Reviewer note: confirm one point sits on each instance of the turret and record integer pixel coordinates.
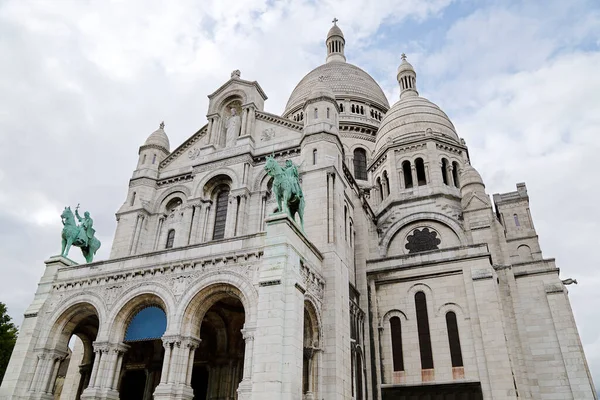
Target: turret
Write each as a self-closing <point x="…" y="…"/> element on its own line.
<point x="155" y="149"/>
<point x="321" y="110"/>
<point x="335" y="44"/>
<point x="407" y="78"/>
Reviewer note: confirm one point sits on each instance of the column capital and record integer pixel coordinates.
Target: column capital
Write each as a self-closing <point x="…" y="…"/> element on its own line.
<point x="248" y="333"/>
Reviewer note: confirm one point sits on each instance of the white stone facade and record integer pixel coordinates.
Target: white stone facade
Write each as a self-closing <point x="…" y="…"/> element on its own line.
<point x="406" y="282"/>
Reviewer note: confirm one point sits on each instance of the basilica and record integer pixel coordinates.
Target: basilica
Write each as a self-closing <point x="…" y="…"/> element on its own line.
<point x="404" y="280"/>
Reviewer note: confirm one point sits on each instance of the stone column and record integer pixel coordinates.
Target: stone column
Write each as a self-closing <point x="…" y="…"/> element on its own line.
<point x="209" y="129"/>
<point x="241" y="217"/>
<point x="46" y="372"/>
<point x="176" y="376"/>
<point x="413" y="171"/>
<point x="197" y="215"/>
<point x="231" y="216"/>
<point x="251" y="120"/>
<point x="244" y="389"/>
<point x="95" y="368"/>
<point x="115" y="361"/>
<point x="161" y="221"/>
<point x="203" y="228"/>
<point x="244" y="118"/>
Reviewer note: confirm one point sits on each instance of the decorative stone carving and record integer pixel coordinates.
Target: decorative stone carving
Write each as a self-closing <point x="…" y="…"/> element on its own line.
<point x="422" y="240"/>
<point x="267" y="134"/>
<point x="194" y="153"/>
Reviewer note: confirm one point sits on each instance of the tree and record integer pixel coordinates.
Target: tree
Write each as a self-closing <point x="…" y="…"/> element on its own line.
<point x="8" y="338"/>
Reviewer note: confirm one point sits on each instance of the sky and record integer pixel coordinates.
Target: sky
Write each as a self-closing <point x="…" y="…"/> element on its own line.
<point x="83" y="83"/>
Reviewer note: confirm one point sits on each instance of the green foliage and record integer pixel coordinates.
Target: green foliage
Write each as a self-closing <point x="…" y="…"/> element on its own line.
<point x="8" y="338"/>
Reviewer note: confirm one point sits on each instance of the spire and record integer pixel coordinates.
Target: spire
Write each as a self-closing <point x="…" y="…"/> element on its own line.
<point x="407" y="79"/>
<point x="335" y="43"/>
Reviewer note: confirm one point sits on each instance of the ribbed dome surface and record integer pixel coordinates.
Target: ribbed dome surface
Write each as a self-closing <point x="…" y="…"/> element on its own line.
<point x="345" y="80"/>
<point x="411" y="117"/>
<point x="159" y="138"/>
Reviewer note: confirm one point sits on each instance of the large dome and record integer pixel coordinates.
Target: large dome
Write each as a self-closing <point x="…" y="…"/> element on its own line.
<point x="413" y="117"/>
<point x="345" y="80"/>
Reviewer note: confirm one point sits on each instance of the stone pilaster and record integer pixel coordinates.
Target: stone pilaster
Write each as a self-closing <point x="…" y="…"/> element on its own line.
<point x="244" y="389"/>
<point x="178" y="363"/>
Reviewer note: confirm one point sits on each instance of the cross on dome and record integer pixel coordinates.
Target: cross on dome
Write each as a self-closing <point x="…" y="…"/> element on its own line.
<point x="403" y="56"/>
<point x="162" y="125"/>
<point x="335" y="20"/>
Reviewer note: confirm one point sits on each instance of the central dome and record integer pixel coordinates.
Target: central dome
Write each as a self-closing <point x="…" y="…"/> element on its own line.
<point x="345" y="80"/>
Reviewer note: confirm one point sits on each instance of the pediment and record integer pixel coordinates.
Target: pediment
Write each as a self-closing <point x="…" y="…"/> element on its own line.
<point x="476" y="202"/>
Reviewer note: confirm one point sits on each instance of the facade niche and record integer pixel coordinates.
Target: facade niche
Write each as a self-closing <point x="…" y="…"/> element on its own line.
<point x="423" y="329"/>
<point x="406" y="171"/>
<point x="396" y="332"/>
<point x="170" y="239"/>
<point x="221" y="213"/>
<point x="420" y="167"/>
<point x="360" y="164"/>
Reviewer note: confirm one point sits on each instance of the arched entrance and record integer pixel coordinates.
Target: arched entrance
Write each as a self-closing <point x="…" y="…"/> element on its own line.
<point x="142" y="363"/>
<point x="217" y="316"/>
<point x="219" y="359"/>
<point x="64" y="366"/>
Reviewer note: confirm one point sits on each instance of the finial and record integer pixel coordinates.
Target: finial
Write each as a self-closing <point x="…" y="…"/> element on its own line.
<point x="236" y="74"/>
<point x="335" y="20"/>
<point x="403" y="57"/>
<point x="162" y="125"/>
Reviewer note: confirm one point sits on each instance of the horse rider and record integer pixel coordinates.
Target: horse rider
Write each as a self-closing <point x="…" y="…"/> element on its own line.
<point x="292" y="172"/>
<point x="86" y="224"/>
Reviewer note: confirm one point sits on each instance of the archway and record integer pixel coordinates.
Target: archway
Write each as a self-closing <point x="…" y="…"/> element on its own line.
<point x="71" y="361"/>
<point x="219" y="360"/>
<point x="310" y="359"/>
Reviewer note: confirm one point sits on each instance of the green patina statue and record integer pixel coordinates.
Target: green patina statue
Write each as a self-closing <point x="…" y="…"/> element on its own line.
<point x="81" y="235"/>
<point x="286" y="186"/>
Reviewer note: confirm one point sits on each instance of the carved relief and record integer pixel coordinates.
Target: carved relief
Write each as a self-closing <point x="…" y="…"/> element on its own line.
<point x="194" y="153"/>
<point x="267" y="134"/>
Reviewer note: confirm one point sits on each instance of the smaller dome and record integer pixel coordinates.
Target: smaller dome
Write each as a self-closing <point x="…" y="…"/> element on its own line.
<point x="414" y="117"/>
<point x="335" y="31"/>
<point x="470" y="176"/>
<point x="405" y="66"/>
<point x="159" y="138"/>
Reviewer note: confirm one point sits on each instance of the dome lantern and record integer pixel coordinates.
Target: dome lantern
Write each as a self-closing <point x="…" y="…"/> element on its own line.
<point x="407" y="79"/>
<point x="335" y="44"/>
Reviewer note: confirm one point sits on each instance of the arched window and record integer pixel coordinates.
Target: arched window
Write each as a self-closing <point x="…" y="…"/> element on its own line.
<point x="327" y="112"/>
<point x="221" y="213"/>
<point x="316" y="113"/>
<point x="148" y="324"/>
<point x="445" y="171"/>
<point x="352" y="108"/>
<point x="132" y="199"/>
<point x="423" y="329"/>
<point x="371" y="113"/>
<point x="396" y="332"/>
<point x="301" y="116"/>
<point x="420" y="166"/>
<point x="170" y="239"/>
<point x="351" y="230"/>
<point x="153" y="159"/>
<point x="144" y="159"/>
<point x="455" y="173"/>
<point x="408" y="183"/>
<point x="360" y="164"/>
<point x="386" y="182"/>
<point x="454" y="339"/>
<point x="341" y="107"/>
<point x="380" y="188"/>
<point x="362" y="110"/>
<point x="315" y="157"/>
<point x="516" y="218"/>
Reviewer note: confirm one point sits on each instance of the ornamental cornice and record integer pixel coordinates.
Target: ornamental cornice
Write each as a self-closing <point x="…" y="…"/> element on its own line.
<point x="153" y="146"/>
<point x="177" y="274"/>
<point x="175" y="179"/>
<point x="184" y="146"/>
<point x="262" y="115"/>
<point x="322" y="98"/>
<point x="143" y="181"/>
<point x="212" y="165"/>
<point x="449" y="148"/>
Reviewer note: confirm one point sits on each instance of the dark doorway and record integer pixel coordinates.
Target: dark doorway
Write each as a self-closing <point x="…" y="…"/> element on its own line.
<point x="200" y="382"/>
<point x="453" y="391"/>
<point x="134" y="385"/>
